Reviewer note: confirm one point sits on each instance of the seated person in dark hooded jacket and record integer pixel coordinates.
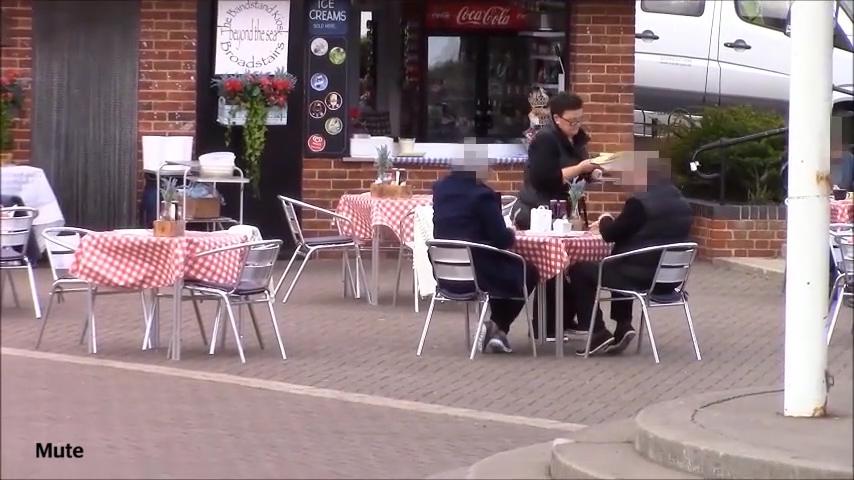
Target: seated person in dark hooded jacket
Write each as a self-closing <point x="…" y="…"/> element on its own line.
<point x="465" y="208"/>
<point x="657" y="214"/>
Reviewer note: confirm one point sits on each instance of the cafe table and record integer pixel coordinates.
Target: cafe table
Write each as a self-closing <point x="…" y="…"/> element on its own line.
<point x="552" y="254"/>
<point x="842" y="211"/>
<point x="137" y="260"/>
<point x="368" y="215"/>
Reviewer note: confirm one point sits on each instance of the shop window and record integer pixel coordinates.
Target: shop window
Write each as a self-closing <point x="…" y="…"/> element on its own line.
<point x="771" y="14"/>
<point x="690" y="8"/>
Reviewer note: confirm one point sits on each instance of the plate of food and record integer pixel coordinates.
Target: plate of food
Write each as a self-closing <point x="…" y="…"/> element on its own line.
<point x="604" y="158"/>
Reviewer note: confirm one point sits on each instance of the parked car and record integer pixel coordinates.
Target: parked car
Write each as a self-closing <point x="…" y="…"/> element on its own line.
<point x="691" y="53"/>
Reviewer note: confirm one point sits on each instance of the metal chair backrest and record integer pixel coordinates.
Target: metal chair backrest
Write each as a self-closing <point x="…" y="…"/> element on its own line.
<point x="452" y="262"/>
<point x="61" y="244"/>
<point x="292" y="219"/>
<point x="836" y="229"/>
<point x="674" y="265"/>
<point x="507" y="203"/>
<point x="845" y="264"/>
<point x="258" y="262"/>
<point x="16" y="224"/>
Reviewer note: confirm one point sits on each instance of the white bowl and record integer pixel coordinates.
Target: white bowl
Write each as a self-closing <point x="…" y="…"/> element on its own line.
<point x="217" y="159"/>
<point x="217" y="171"/>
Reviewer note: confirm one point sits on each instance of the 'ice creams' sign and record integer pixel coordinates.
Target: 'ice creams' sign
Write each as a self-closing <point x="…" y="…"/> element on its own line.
<point x="252" y="35"/>
<point x="328" y="17"/>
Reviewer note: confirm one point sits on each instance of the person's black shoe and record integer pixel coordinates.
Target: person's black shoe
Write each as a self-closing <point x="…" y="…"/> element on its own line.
<point x="499" y="343"/>
<point x="600" y="341"/>
<point x="621" y="341"/>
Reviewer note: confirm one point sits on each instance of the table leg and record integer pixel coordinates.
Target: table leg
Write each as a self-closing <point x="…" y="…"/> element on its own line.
<point x="375" y="266"/>
<point x="541" y="312"/>
<point x="154" y="339"/>
<point x="559" y="315"/>
<point x="175" y="347"/>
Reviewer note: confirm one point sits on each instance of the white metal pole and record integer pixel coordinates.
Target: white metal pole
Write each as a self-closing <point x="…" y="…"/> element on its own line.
<point x="807" y="262"/>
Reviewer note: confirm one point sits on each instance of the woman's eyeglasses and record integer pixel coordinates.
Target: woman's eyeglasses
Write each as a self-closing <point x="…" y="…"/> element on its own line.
<point x="572" y="122"/>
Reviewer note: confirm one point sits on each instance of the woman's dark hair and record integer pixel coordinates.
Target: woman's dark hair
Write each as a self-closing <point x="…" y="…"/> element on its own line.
<point x="564" y="101"/>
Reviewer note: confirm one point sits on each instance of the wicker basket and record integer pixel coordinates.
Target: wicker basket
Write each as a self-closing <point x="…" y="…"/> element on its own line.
<point x="382" y="190"/>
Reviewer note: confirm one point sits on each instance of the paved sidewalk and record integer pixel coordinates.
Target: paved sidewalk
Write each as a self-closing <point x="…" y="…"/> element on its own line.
<point x="342" y="344"/>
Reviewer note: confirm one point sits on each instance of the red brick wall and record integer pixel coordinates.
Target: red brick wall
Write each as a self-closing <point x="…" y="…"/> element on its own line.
<point x="739" y="238"/>
<point x="16" y="55"/>
<point x="167" y="69"/>
<point x="601" y="70"/>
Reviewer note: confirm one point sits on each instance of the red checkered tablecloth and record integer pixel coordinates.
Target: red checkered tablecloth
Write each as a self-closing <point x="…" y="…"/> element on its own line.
<point x="841" y="211"/>
<point x="138" y="259"/>
<point x="366" y="212"/>
<point x="552" y="254"/>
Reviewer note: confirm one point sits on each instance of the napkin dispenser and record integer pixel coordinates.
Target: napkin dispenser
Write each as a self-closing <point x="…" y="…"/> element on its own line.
<point x="562" y="226"/>
<point x="541" y="220"/>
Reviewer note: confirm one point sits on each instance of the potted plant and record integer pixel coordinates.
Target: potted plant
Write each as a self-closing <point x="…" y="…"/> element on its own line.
<point x="170" y="222"/>
<point x="253" y="100"/>
<point x="11" y="102"/>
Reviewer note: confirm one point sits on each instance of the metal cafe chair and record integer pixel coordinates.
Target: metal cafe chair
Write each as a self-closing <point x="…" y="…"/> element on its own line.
<point x="16" y="225"/>
<point x="306" y="247"/>
<point x="507" y="204"/>
<point x="452" y="262"/>
<point x="673" y="269"/>
<point x="842" y="248"/>
<point x="252" y="287"/>
<point x="422" y="220"/>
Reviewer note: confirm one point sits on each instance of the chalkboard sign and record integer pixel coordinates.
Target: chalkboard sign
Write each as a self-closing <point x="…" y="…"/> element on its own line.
<point x="326" y="87"/>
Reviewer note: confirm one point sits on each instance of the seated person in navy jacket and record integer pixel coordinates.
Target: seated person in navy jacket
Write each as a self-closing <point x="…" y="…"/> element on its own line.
<point x="465" y="208"/>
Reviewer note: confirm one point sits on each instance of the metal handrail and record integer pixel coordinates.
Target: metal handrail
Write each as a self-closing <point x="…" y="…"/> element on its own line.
<point x="721" y="143"/>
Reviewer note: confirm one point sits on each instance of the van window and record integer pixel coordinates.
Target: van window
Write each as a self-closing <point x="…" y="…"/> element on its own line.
<point x="765" y="13"/>
<point x="691" y="8"/>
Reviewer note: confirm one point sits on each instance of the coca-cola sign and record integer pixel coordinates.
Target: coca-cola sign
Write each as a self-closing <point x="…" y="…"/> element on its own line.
<point x="475" y="15"/>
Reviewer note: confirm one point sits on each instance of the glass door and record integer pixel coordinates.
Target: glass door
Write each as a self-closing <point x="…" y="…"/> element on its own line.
<point x="451" y="88"/>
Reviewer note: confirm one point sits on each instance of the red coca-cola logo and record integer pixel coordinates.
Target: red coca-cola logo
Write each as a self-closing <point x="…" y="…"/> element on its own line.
<point x="475" y="15"/>
<point x="489" y="16"/>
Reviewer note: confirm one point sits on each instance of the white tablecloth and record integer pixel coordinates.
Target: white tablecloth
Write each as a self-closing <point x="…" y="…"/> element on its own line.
<point x="30" y="183"/>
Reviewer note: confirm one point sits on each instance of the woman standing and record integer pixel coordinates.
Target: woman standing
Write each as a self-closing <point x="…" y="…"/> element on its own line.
<point x="556" y="156"/>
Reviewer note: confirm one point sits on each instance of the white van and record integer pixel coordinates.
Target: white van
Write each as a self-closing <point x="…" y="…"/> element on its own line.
<point x="691" y="53"/>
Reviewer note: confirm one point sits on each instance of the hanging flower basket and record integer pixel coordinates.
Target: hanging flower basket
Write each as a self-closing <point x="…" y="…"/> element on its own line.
<point x="236" y="114"/>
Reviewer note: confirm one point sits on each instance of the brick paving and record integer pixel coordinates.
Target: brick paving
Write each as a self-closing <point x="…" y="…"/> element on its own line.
<point x="343" y="344"/>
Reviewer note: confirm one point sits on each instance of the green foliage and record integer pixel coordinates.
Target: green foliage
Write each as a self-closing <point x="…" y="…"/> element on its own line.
<point x="254" y="138"/>
<point x="753" y="168"/>
<point x="5" y="127"/>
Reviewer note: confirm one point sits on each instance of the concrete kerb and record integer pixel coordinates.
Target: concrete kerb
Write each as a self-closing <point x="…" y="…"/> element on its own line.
<point x="668" y="435"/>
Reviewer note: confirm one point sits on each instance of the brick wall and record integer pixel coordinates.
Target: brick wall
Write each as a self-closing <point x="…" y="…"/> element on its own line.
<point x="167" y="70"/>
<point x="738" y="231"/>
<point x="601" y="70"/>
<point x="16" y="55"/>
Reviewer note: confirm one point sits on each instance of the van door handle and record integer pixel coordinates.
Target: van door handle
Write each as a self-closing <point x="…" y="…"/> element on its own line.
<point x="738" y="45"/>
<point x="647" y="35"/>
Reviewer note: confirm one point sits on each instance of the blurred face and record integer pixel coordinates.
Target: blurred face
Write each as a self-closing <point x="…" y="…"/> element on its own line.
<point x="569" y="122"/>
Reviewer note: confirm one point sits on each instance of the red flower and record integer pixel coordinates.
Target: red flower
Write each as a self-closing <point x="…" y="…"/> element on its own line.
<point x="265" y="82"/>
<point x="281" y="85"/>
<point x="233" y="86"/>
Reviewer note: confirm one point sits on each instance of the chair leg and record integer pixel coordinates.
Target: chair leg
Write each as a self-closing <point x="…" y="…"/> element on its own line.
<point x="397" y="276"/>
<point x="589" y="342"/>
<point x="32" y="278"/>
<point x="255" y="325"/>
<point x="199" y="318"/>
<point x="276" y="327"/>
<point x="285" y="273"/>
<point x="146" y="326"/>
<point x="234" y="329"/>
<point x="480" y="326"/>
<point x="468" y="325"/>
<point x="837" y="305"/>
<point x="530" y="326"/>
<point x="44" y="319"/>
<point x="426" y="326"/>
<point x="691" y="328"/>
<point x="645" y="314"/>
<point x="90" y="306"/>
<point x="344" y="272"/>
<point x="12" y="288"/>
<point x="216" y="327"/>
<point x="296" y="277"/>
<point x="416" y="294"/>
<point x="361" y="274"/>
